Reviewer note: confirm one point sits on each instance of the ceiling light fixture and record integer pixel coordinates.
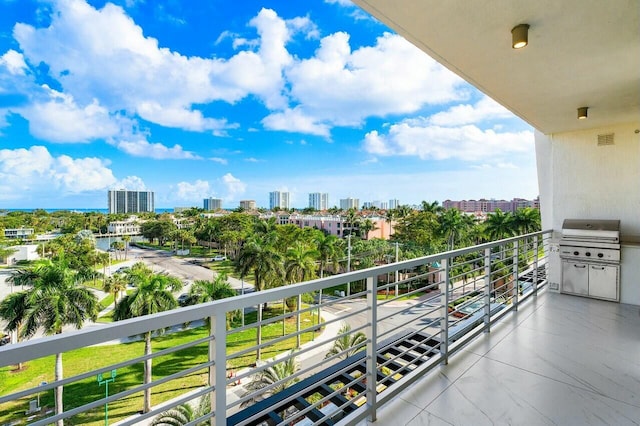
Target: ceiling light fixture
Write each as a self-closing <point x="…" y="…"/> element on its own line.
<point x="582" y="113"/>
<point x="520" y="36"/>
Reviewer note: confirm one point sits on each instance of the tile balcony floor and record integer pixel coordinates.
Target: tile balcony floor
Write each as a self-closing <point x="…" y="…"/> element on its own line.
<point x="560" y="360"/>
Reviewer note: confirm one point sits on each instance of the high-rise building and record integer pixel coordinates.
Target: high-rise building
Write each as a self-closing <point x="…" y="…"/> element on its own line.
<point x="123" y="201"/>
<point x="319" y="200"/>
<point x="279" y="200"/>
<point x="212" y="204"/>
<point x="248" y="204"/>
<point x="350" y="203"/>
<point x="394" y="203"/>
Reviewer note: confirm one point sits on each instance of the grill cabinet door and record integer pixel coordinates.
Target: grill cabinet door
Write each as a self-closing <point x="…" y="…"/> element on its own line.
<point x="575" y="278"/>
<point x="603" y="281"/>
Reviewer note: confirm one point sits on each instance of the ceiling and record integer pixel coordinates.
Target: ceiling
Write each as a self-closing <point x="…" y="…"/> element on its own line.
<point x="580" y="53"/>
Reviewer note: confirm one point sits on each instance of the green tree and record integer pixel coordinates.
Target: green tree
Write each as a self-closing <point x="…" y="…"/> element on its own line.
<point x="53" y="301"/>
<point x="300" y="265"/>
<point x="526" y="220"/>
<point x="499" y="225"/>
<point x="158" y="229"/>
<point x="347" y="343"/>
<point x="115" y="284"/>
<point x="183" y="414"/>
<point x="203" y="291"/>
<point x="126" y="239"/>
<point x="452" y="226"/>
<point x="273" y="379"/>
<point x="365" y="227"/>
<point x="153" y="294"/>
<point x="258" y="256"/>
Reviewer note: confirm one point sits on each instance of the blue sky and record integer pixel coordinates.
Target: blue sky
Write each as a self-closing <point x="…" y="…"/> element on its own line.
<point x="201" y="98"/>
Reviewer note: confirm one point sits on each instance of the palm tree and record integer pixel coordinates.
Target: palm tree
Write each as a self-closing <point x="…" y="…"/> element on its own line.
<point x="279" y="373"/>
<point x="258" y="256"/>
<point x="299" y="266"/>
<point x="126" y="239"/>
<point x="184" y="414"/>
<point x="348" y="343"/>
<point x="153" y="294"/>
<point x="53" y="301"/>
<point x="203" y="291"/>
<point x="367" y="226"/>
<point x="452" y="225"/>
<point x="115" y="284"/>
<point x="433" y="207"/>
<point x="499" y="225"/>
<point x="328" y="250"/>
<point x="526" y="220"/>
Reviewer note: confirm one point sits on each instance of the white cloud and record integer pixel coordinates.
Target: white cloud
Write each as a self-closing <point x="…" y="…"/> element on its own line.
<point x="294" y="120"/>
<point x="179" y="117"/>
<point x="340" y="87"/>
<point x="196" y="191"/>
<point x="23" y="171"/>
<point x="218" y="160"/>
<point x="13" y="62"/>
<point x="467" y="143"/>
<point x="133" y="183"/>
<point x="143" y="148"/>
<point x="485" y="109"/>
<point x="234" y="187"/>
<point x="86" y="50"/>
<point x="60" y="119"/>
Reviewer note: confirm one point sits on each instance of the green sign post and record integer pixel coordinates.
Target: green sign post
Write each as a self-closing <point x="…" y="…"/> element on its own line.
<point x="106" y="381"/>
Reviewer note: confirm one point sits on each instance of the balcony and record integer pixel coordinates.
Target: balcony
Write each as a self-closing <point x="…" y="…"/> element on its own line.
<point x="466" y="337"/>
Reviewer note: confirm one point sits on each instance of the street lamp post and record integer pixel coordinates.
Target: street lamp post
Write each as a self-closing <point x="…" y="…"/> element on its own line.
<point x="105" y="382"/>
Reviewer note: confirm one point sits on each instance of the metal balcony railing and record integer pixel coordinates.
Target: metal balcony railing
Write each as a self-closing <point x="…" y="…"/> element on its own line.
<point x="414" y="315"/>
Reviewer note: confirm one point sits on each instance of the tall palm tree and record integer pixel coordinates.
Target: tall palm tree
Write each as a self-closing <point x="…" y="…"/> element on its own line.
<point x="153" y="294"/>
<point x="53" y="301"/>
<point x="433" y="207"/>
<point x="115" y="284"/>
<point x="366" y="226"/>
<point x="126" y="239"/>
<point x="347" y="343"/>
<point x="526" y="220"/>
<point x="203" y="291"/>
<point x="258" y="256"/>
<point x="452" y="226"/>
<point x="300" y="266"/>
<point x="499" y="225"/>
<point x="276" y="373"/>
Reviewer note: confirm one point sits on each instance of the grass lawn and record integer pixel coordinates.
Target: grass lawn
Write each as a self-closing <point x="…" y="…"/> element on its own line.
<point x="89" y="358"/>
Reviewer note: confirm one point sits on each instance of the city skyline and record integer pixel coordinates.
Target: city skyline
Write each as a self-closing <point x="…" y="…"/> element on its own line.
<point x="227" y="101"/>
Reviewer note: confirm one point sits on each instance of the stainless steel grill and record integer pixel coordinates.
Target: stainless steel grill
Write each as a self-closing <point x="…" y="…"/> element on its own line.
<point x="590" y="254"/>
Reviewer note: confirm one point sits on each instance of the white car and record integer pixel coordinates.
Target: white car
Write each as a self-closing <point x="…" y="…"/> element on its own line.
<point x="219" y="258"/>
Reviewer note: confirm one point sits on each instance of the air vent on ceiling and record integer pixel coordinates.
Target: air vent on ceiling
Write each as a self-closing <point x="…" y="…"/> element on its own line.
<point x="605" y="139"/>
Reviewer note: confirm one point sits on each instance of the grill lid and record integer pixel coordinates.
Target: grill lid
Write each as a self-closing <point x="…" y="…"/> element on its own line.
<point x="591" y="229"/>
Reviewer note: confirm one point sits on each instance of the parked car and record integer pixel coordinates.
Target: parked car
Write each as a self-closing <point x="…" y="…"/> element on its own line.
<point x="219" y="258"/>
<point x="5" y="340"/>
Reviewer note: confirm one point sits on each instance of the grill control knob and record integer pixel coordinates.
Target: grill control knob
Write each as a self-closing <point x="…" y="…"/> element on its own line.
<point x="575" y="253"/>
<point x="600" y="255"/>
<point x="588" y="254"/>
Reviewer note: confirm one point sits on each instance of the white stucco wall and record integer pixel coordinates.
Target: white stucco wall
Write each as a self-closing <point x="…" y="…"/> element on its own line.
<point x="579" y="179"/>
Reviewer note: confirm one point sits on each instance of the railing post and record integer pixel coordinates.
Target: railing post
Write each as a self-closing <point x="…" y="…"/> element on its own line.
<point x="535" y="265"/>
<point x="444" y="315"/>
<point x="372" y="347"/>
<point x="218" y="372"/>
<point x="487" y="290"/>
<point x="515" y="284"/>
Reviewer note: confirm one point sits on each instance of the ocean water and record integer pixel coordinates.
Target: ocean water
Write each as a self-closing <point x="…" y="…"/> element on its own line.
<point x="81" y="210"/>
